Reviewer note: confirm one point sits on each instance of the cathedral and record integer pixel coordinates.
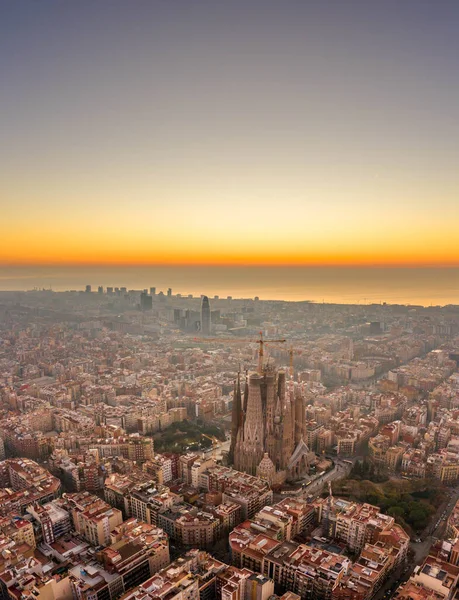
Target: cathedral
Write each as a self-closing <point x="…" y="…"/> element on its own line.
<point x="268" y="421"/>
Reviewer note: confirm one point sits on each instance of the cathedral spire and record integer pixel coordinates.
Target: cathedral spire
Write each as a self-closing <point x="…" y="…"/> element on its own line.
<point x="265" y="436"/>
<point x="236" y="416"/>
<point x="246" y="392"/>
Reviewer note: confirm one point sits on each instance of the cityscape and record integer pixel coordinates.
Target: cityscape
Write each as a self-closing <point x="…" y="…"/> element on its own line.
<point x="229" y="300"/>
<point x="160" y="446"/>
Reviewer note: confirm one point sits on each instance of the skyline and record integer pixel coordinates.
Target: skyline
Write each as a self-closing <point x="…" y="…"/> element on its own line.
<point x="229" y="299"/>
<point x="242" y="134"/>
<point x="341" y="285"/>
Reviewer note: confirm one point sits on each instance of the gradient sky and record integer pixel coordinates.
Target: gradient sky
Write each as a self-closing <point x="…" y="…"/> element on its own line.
<point x="300" y="132"/>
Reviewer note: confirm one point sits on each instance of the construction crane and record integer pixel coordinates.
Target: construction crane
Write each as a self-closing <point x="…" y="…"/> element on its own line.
<point x="261" y="343"/>
<point x="291" y="352"/>
<point x="215" y="443"/>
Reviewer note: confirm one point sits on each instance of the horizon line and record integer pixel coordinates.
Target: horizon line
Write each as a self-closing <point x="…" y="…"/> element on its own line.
<point x="91" y="264"/>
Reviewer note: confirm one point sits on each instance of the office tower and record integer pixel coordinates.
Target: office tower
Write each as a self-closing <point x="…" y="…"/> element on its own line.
<point x="146" y="301"/>
<point x="169" y="292"/>
<point x="100" y="290"/>
<point x="205" y="316"/>
<point x="152" y="291"/>
<point x="109" y="291"/>
<point x="88" y="289"/>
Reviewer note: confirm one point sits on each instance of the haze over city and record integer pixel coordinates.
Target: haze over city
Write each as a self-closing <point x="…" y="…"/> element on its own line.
<point x="229" y="300"/>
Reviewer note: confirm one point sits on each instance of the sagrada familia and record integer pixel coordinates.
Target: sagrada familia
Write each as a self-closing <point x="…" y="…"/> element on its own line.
<point x="268" y="427"/>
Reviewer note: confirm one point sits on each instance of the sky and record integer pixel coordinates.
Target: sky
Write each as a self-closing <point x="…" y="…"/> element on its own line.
<point x="242" y="132"/>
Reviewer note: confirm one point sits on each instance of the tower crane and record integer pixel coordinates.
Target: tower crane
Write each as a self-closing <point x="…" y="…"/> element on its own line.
<point x="214" y="441"/>
<point x="261" y="343"/>
<point x="291" y="352"/>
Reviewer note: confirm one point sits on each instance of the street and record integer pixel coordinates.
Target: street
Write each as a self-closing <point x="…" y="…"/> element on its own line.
<point x="421" y="549"/>
<point x="340" y="469"/>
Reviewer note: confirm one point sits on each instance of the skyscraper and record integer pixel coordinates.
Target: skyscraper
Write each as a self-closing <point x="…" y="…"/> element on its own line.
<point x="145" y="301"/>
<point x="205" y="316"/>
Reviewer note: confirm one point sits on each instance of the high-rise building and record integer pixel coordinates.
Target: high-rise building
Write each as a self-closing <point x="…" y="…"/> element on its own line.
<point x="88" y="289"/>
<point x="169" y="292"/>
<point x="100" y="290"/>
<point x="146" y="301"/>
<point x="205" y="315"/>
<point x="152" y="291"/>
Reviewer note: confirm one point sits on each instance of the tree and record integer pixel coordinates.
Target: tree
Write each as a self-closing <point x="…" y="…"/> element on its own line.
<point x="396" y="511"/>
<point x="418" y="518"/>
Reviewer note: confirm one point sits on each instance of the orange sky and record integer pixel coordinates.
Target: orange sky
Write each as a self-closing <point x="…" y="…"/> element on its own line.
<point x="105" y="229"/>
<point x="218" y="133"/>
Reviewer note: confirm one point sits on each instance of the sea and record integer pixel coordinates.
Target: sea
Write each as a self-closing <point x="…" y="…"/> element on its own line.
<point x="342" y="285"/>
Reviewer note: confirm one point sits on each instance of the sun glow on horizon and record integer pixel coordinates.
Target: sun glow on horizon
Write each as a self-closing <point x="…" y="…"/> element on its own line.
<point x="228" y="135"/>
